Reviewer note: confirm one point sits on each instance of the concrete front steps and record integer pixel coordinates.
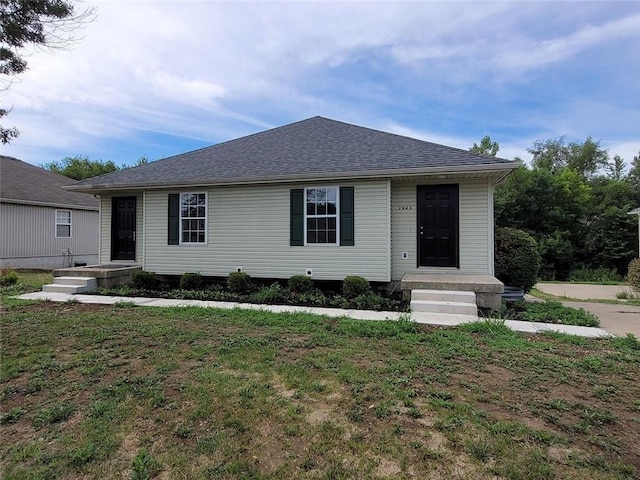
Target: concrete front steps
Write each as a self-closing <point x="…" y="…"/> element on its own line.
<point x="444" y="305"/>
<point x="71" y="285"/>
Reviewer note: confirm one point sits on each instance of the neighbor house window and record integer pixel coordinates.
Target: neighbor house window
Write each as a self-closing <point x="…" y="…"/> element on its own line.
<point x="63" y="223"/>
<point x="321" y="215"/>
<point x="193" y="218"/>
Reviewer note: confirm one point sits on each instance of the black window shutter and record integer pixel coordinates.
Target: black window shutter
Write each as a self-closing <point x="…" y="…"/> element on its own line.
<point x="174" y="219"/>
<point x="296" y="229"/>
<point x="347" y="238"/>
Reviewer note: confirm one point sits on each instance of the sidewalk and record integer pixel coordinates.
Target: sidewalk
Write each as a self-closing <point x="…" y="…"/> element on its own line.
<point x="434" y="319"/>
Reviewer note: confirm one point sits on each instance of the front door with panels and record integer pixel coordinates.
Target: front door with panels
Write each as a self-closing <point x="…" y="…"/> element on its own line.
<point x="123" y="228"/>
<point x="438" y="226"/>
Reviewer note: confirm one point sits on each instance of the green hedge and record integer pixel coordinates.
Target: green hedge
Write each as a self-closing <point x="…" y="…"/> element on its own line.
<point x="517" y="260"/>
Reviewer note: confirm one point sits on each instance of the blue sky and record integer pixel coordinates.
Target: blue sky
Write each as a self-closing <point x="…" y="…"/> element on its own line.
<point x="156" y="78"/>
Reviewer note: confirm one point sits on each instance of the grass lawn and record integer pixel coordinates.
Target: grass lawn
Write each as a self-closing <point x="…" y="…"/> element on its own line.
<point x="93" y="391"/>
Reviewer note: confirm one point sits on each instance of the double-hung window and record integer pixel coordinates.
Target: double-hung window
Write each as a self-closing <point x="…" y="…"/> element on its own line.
<point x="193" y="218"/>
<point x="321" y="215"/>
<point x="63" y="223"/>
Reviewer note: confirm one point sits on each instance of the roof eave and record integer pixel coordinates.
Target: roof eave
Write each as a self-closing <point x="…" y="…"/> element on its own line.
<point x="67" y="206"/>
<point x="498" y="169"/>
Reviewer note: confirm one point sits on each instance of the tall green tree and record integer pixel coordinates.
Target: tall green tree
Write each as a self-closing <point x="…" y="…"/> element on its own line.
<point x="486" y="147"/>
<point x="81" y="167"/>
<point x="574" y="201"/>
<point x="555" y="155"/>
<point x="48" y="23"/>
<point x="633" y="177"/>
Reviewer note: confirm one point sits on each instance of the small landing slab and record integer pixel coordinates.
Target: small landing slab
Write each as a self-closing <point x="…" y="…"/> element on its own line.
<point x="107" y="275"/>
<point x="453" y="281"/>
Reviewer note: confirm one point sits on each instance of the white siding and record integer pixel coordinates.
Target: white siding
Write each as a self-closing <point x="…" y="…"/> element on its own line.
<point x="476" y="243"/>
<point x="105" y="227"/>
<point x="28" y="237"/>
<point x="248" y="226"/>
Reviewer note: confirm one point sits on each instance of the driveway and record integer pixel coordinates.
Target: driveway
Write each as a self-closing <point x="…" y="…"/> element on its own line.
<point x="615" y="318"/>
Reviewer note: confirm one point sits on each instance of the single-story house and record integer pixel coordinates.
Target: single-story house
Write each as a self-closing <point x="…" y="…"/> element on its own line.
<point x="42" y="225"/>
<point x="317" y="197"/>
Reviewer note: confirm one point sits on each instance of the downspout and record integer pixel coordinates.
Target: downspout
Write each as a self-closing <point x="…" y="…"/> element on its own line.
<point x="492" y="227"/>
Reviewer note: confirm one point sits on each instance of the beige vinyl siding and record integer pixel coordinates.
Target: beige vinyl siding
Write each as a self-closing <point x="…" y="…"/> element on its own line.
<point x="105" y="227"/>
<point x="475" y="239"/>
<point x="28" y="237"/>
<point x="248" y="227"/>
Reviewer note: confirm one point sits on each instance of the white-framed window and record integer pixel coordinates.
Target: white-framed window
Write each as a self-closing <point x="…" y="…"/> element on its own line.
<point x="63" y="223"/>
<point x="321" y="215"/>
<point x="193" y="218"/>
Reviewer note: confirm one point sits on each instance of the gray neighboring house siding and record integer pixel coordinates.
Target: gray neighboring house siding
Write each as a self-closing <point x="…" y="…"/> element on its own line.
<point x="29" y="199"/>
<point x="248" y="182"/>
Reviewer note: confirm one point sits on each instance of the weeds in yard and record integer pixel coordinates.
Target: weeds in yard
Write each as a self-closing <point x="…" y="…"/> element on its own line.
<point x="144" y="466"/>
<point x="202" y="393"/>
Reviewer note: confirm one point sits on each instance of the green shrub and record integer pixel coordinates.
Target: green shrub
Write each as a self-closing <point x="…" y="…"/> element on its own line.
<point x="517" y="260"/>
<point x="272" y="294"/>
<point x="633" y="275"/>
<point x="599" y="275"/>
<point x="354" y="286"/>
<point x="191" y="281"/>
<point x="239" y="282"/>
<point x="8" y="277"/>
<point x="369" y="301"/>
<point x="145" y="280"/>
<point x="300" y="284"/>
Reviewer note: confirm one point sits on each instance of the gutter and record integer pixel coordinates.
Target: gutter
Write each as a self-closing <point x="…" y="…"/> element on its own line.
<point x="505" y="168"/>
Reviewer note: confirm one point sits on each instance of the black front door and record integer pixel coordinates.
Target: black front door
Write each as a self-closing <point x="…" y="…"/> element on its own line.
<point x="123" y="228"/>
<point x="438" y="226"/>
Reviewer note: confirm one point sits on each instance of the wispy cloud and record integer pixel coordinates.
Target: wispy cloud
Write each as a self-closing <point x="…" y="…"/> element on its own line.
<point x="450" y="71"/>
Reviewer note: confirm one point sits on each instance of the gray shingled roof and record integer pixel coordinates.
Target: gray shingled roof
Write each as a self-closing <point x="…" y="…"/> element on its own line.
<point x="21" y="182"/>
<point x="309" y="149"/>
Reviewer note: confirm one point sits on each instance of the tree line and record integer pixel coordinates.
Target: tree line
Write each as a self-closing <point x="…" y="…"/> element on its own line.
<point x="574" y="200"/>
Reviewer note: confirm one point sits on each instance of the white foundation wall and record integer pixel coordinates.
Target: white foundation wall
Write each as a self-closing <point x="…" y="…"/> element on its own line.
<point x="248" y="227"/>
<point x="475" y="235"/>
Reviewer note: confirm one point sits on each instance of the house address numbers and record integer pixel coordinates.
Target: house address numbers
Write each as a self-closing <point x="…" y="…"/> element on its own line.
<point x="404" y="207"/>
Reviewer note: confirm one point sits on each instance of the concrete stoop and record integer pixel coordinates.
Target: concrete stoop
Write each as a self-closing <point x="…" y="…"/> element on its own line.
<point x="432" y="303"/>
<point x="71" y="285"/>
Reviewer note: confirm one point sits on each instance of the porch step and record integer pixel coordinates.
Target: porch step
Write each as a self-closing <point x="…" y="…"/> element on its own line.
<point x="71" y="285"/>
<point x="442" y="319"/>
<point x="444" y="295"/>
<point x="447" y="302"/>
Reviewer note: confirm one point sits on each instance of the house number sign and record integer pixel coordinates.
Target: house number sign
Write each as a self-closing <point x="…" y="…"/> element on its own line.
<point x="405" y="207"/>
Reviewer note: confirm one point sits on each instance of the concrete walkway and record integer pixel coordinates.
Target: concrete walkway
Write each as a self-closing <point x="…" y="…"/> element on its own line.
<point x="430" y="319"/>
<point x="618" y="319"/>
<point x="583" y="291"/>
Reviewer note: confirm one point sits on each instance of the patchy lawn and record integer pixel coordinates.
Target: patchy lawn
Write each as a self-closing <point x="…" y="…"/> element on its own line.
<point x="91" y="391"/>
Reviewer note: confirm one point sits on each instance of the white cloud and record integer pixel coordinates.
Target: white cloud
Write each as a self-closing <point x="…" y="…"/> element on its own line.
<point x="216" y="70"/>
<point x="530" y="53"/>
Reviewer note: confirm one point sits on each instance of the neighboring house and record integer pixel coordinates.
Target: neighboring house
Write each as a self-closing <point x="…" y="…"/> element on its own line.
<point x="318" y="197"/>
<point x="42" y="225"/>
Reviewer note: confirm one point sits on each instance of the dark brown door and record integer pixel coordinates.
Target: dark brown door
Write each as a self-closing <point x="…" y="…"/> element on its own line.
<point x="438" y="226"/>
<point x="123" y="228"/>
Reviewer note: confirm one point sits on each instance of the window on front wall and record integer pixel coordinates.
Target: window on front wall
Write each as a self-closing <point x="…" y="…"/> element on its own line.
<point x="193" y="218"/>
<point x="63" y="223"/>
<point x="321" y="214"/>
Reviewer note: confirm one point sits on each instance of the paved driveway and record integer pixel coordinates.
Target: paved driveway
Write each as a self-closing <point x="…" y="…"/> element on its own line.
<point x="615" y="318"/>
